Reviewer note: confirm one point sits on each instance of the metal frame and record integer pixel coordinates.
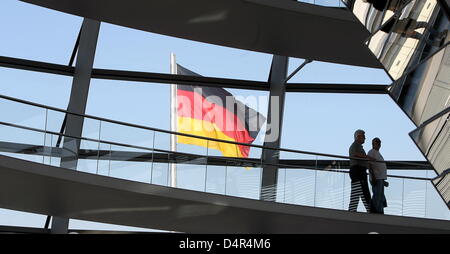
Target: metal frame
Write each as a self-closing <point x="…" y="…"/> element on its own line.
<point x="87" y="40"/>
<point x="277" y="81"/>
<point x="163" y="78"/>
<point x="277" y="85"/>
<point x="166" y="156"/>
<point x="162" y="131"/>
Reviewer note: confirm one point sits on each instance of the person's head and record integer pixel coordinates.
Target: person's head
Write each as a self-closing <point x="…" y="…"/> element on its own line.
<point x="360" y="136"/>
<point x="376" y="143"/>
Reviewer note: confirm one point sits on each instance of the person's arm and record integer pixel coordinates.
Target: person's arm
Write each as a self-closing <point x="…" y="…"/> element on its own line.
<point x="363" y="156"/>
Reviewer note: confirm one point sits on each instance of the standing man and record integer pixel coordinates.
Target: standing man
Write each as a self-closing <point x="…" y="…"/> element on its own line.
<point x="358" y="174"/>
<point x="378" y="175"/>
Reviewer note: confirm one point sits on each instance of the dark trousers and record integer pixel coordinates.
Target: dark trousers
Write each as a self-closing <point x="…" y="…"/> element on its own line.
<point x="378" y="199"/>
<point x="359" y="189"/>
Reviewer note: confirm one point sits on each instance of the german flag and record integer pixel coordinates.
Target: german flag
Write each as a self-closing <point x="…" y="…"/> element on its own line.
<point x="215" y="113"/>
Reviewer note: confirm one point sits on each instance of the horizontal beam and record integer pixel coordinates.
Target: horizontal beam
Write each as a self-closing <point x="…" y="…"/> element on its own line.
<point x="151" y="77"/>
<point x="179" y="79"/>
<point x="29" y="65"/>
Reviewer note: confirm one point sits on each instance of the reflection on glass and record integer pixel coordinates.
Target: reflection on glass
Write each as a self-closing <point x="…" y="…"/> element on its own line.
<point x="299" y="187"/>
<point x="243" y="182"/>
<point x="330" y="188"/>
<point x="417" y="32"/>
<point x="433" y="139"/>
<point x="425" y="91"/>
<point x="216" y="179"/>
<point x="414" y="198"/>
<point x="374" y="13"/>
<point x="443" y="186"/>
<point x="394" y="196"/>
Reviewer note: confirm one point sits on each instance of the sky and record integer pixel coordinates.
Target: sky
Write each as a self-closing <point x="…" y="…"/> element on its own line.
<point x="315" y="122"/>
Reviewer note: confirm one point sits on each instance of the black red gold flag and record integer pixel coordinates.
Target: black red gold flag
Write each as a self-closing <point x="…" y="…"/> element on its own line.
<point x="215" y="113"/>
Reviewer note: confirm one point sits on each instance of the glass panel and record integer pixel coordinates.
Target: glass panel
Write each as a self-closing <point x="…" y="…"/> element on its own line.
<point x="130" y="163"/>
<point x="242" y="179"/>
<point x="433" y="140"/>
<point x="191" y="170"/>
<point x="21" y="219"/>
<point x="329" y="3"/>
<point x="394" y="196"/>
<point x="414" y="202"/>
<point x="91" y="129"/>
<point x="105" y="157"/>
<point x="22" y="114"/>
<point x="124" y="134"/>
<point x="88" y="158"/>
<point x="281" y="186"/>
<point x="443" y="186"/>
<point x="330" y="189"/>
<point x="96" y="227"/>
<point x="21" y="143"/>
<point x="325" y="123"/>
<point x="55" y="120"/>
<point x="50" y="153"/>
<point x="216" y="179"/>
<point x="160" y="168"/>
<point x="372" y="14"/>
<point x="426" y="90"/>
<point x="140" y="103"/>
<point x="123" y="48"/>
<point x="300" y="187"/>
<point x="243" y="182"/>
<point x="323" y="72"/>
<point x="47" y="89"/>
<point x="191" y="176"/>
<point x="436" y="208"/>
<point x="403" y="42"/>
<point x="36" y="33"/>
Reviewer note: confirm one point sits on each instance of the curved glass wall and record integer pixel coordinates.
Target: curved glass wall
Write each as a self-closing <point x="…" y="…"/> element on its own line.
<point x="433" y="140"/>
<point x="425" y="91"/>
<point x="443" y="186"/>
<point x="340" y="115"/>
<point x="102" y="143"/>
<point x="122" y="48"/>
<point x="373" y="13"/>
<point x="49" y="89"/>
<point x="319" y="181"/>
<point x="36" y="33"/>
<point x="329" y="73"/>
<point x="405" y="40"/>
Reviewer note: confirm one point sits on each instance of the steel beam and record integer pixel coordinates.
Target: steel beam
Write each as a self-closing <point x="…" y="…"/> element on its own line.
<point x="277" y="78"/>
<point x="29" y="65"/>
<point x="77" y="104"/>
<point x="163" y="78"/>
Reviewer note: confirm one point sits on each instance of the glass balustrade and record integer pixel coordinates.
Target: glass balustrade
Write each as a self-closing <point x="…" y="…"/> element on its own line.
<point x="143" y="154"/>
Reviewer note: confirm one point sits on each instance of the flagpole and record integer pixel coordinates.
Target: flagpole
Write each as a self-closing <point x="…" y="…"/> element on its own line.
<point x="173" y="120"/>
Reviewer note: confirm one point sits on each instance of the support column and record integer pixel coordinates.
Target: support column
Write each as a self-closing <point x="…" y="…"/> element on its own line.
<point x="77" y="104"/>
<point x="277" y="77"/>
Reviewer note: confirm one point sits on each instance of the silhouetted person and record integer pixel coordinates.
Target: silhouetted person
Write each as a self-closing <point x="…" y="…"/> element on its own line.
<point x="378" y="176"/>
<point x="358" y="174"/>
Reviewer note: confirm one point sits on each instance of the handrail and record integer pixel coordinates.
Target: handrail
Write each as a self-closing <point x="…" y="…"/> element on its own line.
<point x="234" y="159"/>
<point x="192" y="136"/>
